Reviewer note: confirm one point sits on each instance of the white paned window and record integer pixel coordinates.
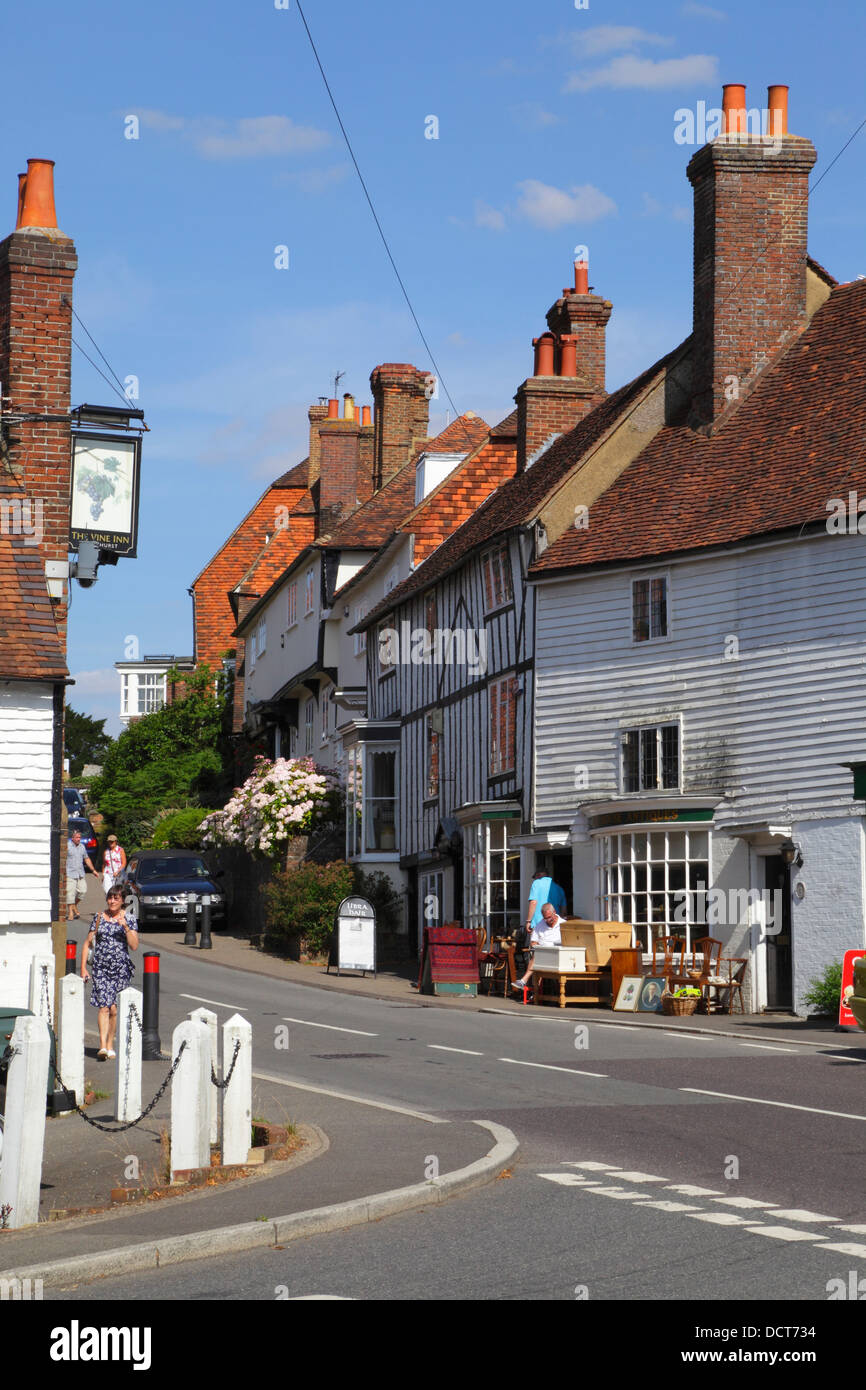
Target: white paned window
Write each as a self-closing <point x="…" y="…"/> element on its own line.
<point x="656" y="880"/>
<point x="309" y="591"/>
<point x="360" y="637"/>
<point x="325" y="713"/>
<point x="649" y="609"/>
<point x="251" y="647"/>
<point x="651" y="758"/>
<point x="292" y="600"/>
<point x="497" y="578"/>
<point x="151" y="692"/>
<point x="309" y="716"/>
<point x="491" y="878"/>
<point x="371" y="800"/>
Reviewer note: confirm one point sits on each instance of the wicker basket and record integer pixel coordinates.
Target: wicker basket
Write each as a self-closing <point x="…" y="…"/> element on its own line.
<point x="680" y="1008"/>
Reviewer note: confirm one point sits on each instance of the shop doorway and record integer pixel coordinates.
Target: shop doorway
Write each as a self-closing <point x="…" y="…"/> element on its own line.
<point x="558" y="863"/>
<point x="780" y="960"/>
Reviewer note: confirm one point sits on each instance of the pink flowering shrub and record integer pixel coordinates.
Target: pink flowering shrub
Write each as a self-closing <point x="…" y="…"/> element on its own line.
<point x="281" y="799"/>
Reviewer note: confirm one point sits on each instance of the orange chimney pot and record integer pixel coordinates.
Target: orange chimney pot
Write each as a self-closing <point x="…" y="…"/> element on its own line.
<point x="733" y="108"/>
<point x="777" y="110"/>
<point x="568" y="355"/>
<point x="581" y="277"/>
<point x="22" y="184"/>
<point x="38" y="203"/>
<point x="544" y="351"/>
<point x="333" y="408"/>
<point x="365" y="415"/>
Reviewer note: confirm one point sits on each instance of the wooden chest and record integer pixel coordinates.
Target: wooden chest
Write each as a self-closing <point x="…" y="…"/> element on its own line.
<point x="597" y="938"/>
<point x="562" y="959"/>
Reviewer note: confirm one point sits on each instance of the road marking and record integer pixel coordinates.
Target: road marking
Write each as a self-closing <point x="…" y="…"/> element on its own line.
<point x="768" y="1047"/>
<point x="593" y="1166"/>
<point x="857" y="1252"/>
<point x="856" y="1230"/>
<point x="360" y="1032"/>
<point x="744" y="1202"/>
<point x="564" y="1179"/>
<point x="781" y="1232"/>
<point x="782" y="1104"/>
<point x="357" y="1100"/>
<point x="545" y="1066"/>
<point x="720" y="1218"/>
<point x="685" y="1037"/>
<point x="620" y="1194"/>
<point x="638" y="1177"/>
<point x="671" y="1206"/>
<point x="796" y="1214"/>
<point x="466" y="1051"/>
<point x="688" y="1189"/>
<point x="220" y="1005"/>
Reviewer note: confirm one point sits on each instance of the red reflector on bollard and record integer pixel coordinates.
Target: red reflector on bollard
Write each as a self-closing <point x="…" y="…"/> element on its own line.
<point x="151" y="964"/>
<point x="71" y="948"/>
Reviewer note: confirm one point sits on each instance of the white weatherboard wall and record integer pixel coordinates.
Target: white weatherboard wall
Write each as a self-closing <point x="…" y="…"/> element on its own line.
<point x="26" y="766"/>
<point x="766" y="732"/>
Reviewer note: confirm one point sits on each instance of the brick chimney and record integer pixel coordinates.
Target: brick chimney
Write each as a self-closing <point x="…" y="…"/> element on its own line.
<point x="751" y="215"/>
<point x="400" y="417"/>
<point x="37" y="267"/>
<point x="568" y="374"/>
<point x="343" y="483"/>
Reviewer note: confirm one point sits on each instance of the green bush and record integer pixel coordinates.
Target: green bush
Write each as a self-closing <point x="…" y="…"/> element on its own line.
<point x="179" y="829"/>
<point x="825" y="990"/>
<point x="387" y="900"/>
<point x="303" y="902"/>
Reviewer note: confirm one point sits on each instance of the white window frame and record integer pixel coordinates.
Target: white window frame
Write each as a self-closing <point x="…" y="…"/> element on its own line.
<point x="251" y="644"/>
<point x="262" y="635"/>
<point x="309" y="724"/>
<point x="485" y="864"/>
<point x="360" y="637"/>
<point x="633" y="870"/>
<point x="498" y="768"/>
<point x="649" y="580"/>
<point x="292" y="605"/>
<point x="367" y="816"/>
<point x="497" y="563"/>
<point x="150" y="695"/>
<point x="325" y="714"/>
<point x="309" y="591"/>
<point x="640" y="730"/>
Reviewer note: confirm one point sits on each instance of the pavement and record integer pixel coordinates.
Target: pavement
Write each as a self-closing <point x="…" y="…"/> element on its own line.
<point x="356" y="1161"/>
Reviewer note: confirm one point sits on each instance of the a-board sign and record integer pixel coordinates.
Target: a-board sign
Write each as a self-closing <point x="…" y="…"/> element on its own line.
<point x="847" y="1021"/>
<point x="354" y="943"/>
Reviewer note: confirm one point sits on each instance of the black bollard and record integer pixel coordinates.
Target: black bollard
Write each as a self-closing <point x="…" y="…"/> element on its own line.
<point x="189" y="939"/>
<point x="151" y="1047"/>
<point x="71" y="953"/>
<point x="205" y="943"/>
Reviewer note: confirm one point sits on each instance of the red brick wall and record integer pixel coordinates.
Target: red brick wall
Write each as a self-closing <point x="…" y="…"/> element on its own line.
<point x="585" y="316"/>
<point x="549" y="405"/>
<point x="338" y="478"/>
<point x="400" y="418"/>
<point x="751" y="213"/>
<point x="35" y="351"/>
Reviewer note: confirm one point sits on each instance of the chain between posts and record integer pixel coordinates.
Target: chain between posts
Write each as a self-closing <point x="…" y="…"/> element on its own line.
<point x="116" y="1128"/>
<point x="223" y="1085"/>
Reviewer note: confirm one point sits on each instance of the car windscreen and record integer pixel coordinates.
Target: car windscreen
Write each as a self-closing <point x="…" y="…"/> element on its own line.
<point x="152" y="869"/>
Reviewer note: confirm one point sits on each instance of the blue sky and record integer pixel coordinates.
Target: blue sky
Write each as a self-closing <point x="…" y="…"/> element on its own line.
<point x="556" y="128"/>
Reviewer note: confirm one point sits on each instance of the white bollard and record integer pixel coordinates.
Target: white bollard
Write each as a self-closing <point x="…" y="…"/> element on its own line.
<point x="70" y="1035"/>
<point x="42" y="988"/>
<point x="190" y="1124"/>
<point x="206" y="1016"/>
<point x="24" y="1122"/>
<point x="127" y="1090"/>
<point x="237" y="1098"/>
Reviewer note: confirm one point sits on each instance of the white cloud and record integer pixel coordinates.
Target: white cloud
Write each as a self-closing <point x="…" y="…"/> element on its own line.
<point x="611" y="38"/>
<point x="653" y="208"/>
<point x="647" y="73"/>
<point x="702" y="11"/>
<point x="531" y="115"/>
<point x="549" y="207"/>
<point x="249" y="137"/>
<point x="486" y="216"/>
<point x="315" y="180"/>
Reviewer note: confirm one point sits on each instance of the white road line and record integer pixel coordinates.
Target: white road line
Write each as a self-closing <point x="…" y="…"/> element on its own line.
<point x="440" y="1047"/>
<point x="593" y="1167"/>
<point x="545" y="1066"/>
<point x="620" y="1194"/>
<point x="688" y="1189"/>
<point x="856" y="1230"/>
<point x="332" y="1026"/>
<point x="357" y="1100"/>
<point x="564" y="1179"/>
<point x="720" y="1218"/>
<point x="743" y="1202"/>
<point x="638" y="1177"/>
<point x="768" y="1047"/>
<point x="796" y="1214"/>
<point x="220" y="1005"/>
<point x="857" y="1252"/>
<point x="782" y="1104"/>
<point x="780" y="1232"/>
<point x="671" y="1206"/>
<point x="684" y="1037"/>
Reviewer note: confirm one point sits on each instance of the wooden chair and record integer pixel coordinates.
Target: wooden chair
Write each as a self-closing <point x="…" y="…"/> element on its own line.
<point x="733" y="984"/>
<point x="701" y="969"/>
<point x="494" y="967"/>
<point x="668" y="953"/>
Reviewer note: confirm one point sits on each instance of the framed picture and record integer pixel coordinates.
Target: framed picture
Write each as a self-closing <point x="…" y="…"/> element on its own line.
<point x="650" y="995"/>
<point x="629" y="993"/>
<point x="104" y="502"/>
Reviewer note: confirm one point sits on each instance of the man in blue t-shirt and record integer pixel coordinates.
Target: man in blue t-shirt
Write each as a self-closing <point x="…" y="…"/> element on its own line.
<point x="543" y="890"/>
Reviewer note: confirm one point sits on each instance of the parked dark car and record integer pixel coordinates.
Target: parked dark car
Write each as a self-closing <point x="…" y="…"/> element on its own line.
<point x="156" y="883"/>
<point x="74" y="802"/>
<point x="88" y="836"/>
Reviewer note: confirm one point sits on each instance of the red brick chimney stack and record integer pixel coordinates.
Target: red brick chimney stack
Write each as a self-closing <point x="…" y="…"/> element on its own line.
<point x="37" y="268"/>
<point x="751" y="219"/>
<point x="400" y="417"/>
<point x="568" y="372"/>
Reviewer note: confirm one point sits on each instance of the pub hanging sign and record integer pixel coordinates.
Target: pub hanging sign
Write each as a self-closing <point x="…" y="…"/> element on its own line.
<point x="105" y="485"/>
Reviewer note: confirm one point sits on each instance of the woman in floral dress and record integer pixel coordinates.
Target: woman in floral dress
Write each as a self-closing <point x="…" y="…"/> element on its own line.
<point x="112" y="938"/>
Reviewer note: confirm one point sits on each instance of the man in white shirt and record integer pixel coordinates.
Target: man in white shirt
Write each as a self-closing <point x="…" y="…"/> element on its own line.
<point x="545" y="934"/>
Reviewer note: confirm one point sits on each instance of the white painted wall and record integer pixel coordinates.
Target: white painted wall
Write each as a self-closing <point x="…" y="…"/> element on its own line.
<point x="26" y="744"/>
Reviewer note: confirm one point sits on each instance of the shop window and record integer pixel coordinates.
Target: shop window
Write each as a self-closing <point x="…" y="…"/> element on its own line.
<point x="655" y="880"/>
<point x="371" y="800"/>
<point x="651" y="758"/>
<point x="649" y="609"/>
<point x="502" y="698"/>
<point x="497" y="578"/>
<point x="491" y="878"/>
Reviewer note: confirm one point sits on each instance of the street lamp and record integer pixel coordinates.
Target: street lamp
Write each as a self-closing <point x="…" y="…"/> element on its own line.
<point x="791" y="854"/>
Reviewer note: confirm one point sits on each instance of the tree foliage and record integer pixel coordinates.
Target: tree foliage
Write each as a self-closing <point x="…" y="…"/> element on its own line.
<point x="178" y="756"/>
<point x="84" y="740"/>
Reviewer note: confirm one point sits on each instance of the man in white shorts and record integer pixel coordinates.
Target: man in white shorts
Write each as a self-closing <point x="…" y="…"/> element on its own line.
<point x="76" y="880"/>
<point x="545" y="934"/>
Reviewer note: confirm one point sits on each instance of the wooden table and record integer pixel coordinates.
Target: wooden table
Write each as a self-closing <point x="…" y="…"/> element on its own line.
<point x="591" y="977"/>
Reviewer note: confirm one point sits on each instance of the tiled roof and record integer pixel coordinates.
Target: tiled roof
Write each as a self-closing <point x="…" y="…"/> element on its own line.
<point x="296" y="477"/>
<point x="30" y="645"/>
<point x="284" y="546"/>
<point x="507" y="427"/>
<point x="794" y="443"/>
<point x="455" y="500"/>
<point x="517" y="499"/>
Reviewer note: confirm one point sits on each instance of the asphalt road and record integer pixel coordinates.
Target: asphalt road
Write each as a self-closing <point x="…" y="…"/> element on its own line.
<point x="717" y="1168"/>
